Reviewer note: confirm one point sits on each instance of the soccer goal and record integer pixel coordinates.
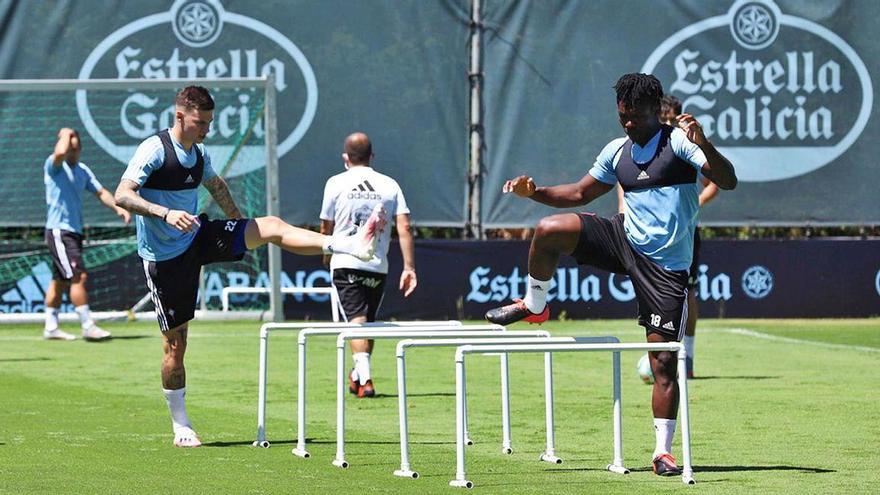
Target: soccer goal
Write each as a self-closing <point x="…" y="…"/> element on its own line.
<point x="113" y="117"/>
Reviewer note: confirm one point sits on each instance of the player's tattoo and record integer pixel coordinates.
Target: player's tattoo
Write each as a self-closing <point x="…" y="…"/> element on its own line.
<point x="220" y="192"/>
<point x="128" y="198"/>
<point x="174" y="378"/>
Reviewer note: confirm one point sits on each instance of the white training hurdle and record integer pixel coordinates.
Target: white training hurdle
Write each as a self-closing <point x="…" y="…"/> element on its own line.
<point x="405" y="470"/>
<point x="334" y="297"/>
<point x="423" y="332"/>
<point x="616" y="466"/>
<point x="313" y="329"/>
<point x="375" y="328"/>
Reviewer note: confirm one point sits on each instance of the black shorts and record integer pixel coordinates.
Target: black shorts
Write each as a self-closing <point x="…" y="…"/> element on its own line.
<point x="661" y="294"/>
<point x="360" y="292"/>
<point x="174" y="283"/>
<point x="694" y="270"/>
<point x="66" y="250"/>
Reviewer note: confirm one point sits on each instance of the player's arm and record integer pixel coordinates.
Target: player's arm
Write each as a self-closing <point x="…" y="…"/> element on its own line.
<point x="127" y="197"/>
<point x="717" y="168"/>
<point x="620" y="208"/>
<point x="327" y="229"/>
<point x="408" y="279"/>
<point x="562" y="196"/>
<point x="710" y="190"/>
<point x="220" y="192"/>
<point x="109" y="201"/>
<point x="65" y="138"/>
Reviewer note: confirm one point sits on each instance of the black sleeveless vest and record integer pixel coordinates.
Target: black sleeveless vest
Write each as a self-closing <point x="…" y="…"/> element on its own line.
<point x="664" y="169"/>
<point x="172" y="176"/>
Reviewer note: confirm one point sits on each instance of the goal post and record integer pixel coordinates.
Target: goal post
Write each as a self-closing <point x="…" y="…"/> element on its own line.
<point x="112" y="117"/>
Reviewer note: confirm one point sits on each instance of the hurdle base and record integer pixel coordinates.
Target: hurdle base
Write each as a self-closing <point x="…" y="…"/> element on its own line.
<point x="468" y="441"/>
<point x="552" y="459"/>
<point x="461" y="484"/>
<point x="301" y="452"/>
<point x="406" y="473"/>
<point x="507" y="450"/>
<point x="261" y="443"/>
<point x="688" y="479"/>
<point x="340" y="463"/>
<point x="616" y="468"/>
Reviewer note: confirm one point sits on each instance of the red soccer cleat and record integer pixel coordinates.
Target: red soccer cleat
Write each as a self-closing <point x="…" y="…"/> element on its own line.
<point x="367" y="390"/>
<point x="664" y="465"/>
<point x="512" y="313"/>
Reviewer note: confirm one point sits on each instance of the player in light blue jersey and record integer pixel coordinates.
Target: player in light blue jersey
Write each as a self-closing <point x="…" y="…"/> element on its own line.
<point x="657" y="167"/>
<point x="160" y="185"/>
<point x="66" y="178"/>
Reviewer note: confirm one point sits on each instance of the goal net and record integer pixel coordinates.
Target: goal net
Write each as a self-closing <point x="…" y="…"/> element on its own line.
<point x="112" y="118"/>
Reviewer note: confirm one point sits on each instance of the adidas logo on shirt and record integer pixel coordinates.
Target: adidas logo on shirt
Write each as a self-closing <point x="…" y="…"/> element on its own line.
<point x="643" y="176"/>
<point x="669" y="326"/>
<point x="189" y="179"/>
<point x="364" y="190"/>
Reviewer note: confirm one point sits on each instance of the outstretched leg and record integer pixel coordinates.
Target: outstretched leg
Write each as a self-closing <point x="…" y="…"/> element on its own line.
<point x="362" y="244"/>
<point x="554" y="235"/>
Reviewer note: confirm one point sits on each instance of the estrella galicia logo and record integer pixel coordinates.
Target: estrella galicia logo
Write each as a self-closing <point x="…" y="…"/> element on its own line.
<point x="757" y="282"/>
<point x="780" y="95"/>
<point x="197" y="39"/>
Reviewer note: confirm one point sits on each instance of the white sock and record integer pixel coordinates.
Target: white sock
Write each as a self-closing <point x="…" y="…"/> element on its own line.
<point x="340" y="244"/>
<point x="176" y="400"/>
<point x="536" y="294"/>
<point x="689" y="341"/>
<point x="85" y="316"/>
<point x="362" y="366"/>
<point x="664" y="430"/>
<point x="51" y="319"/>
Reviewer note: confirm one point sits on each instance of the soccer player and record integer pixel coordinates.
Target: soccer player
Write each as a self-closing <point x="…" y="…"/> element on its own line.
<point x="670" y="108"/>
<point x="66" y="178"/>
<point x="348" y="199"/>
<point x="160" y="186"/>
<point x="657" y="166"/>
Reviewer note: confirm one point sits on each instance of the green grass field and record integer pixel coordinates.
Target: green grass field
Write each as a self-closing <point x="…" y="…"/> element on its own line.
<point x="778" y="407"/>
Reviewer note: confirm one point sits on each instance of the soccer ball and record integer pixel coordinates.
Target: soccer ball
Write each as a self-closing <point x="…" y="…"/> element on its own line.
<point x="644" y="369"/>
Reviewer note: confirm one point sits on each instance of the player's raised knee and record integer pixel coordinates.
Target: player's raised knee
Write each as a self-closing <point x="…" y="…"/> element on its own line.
<point x="554" y="225"/>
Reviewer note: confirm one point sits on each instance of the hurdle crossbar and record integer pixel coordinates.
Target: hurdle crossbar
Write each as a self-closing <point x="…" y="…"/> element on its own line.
<point x="405" y="470"/>
<point x="421" y="332"/>
<point x="617" y="466"/>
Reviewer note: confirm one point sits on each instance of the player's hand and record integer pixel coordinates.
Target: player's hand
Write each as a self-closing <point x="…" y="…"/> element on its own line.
<point x="182" y="220"/>
<point x="124" y="215"/>
<point x="691" y="128"/>
<point x="408" y="281"/>
<point x="522" y="186"/>
<point x="64" y="132"/>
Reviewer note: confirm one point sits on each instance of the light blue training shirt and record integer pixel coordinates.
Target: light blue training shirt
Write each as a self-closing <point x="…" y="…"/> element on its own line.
<point x="659" y="222"/>
<point x="64" y="187"/>
<point x="158" y="241"/>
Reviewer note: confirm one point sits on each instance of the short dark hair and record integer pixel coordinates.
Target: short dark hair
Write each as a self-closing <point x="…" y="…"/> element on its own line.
<point x="639" y="91"/>
<point x="194" y="97"/>
<point x="358" y="148"/>
<point x="670" y="103"/>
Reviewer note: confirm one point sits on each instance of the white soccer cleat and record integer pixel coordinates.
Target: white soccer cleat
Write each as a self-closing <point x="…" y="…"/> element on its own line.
<point x="186" y="438"/>
<point x="95" y="334"/>
<point x="368" y="234"/>
<point x="57" y="334"/>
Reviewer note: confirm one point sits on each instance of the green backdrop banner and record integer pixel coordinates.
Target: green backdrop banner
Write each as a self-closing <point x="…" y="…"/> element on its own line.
<point x="785" y="89"/>
<point x="396" y="70"/>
